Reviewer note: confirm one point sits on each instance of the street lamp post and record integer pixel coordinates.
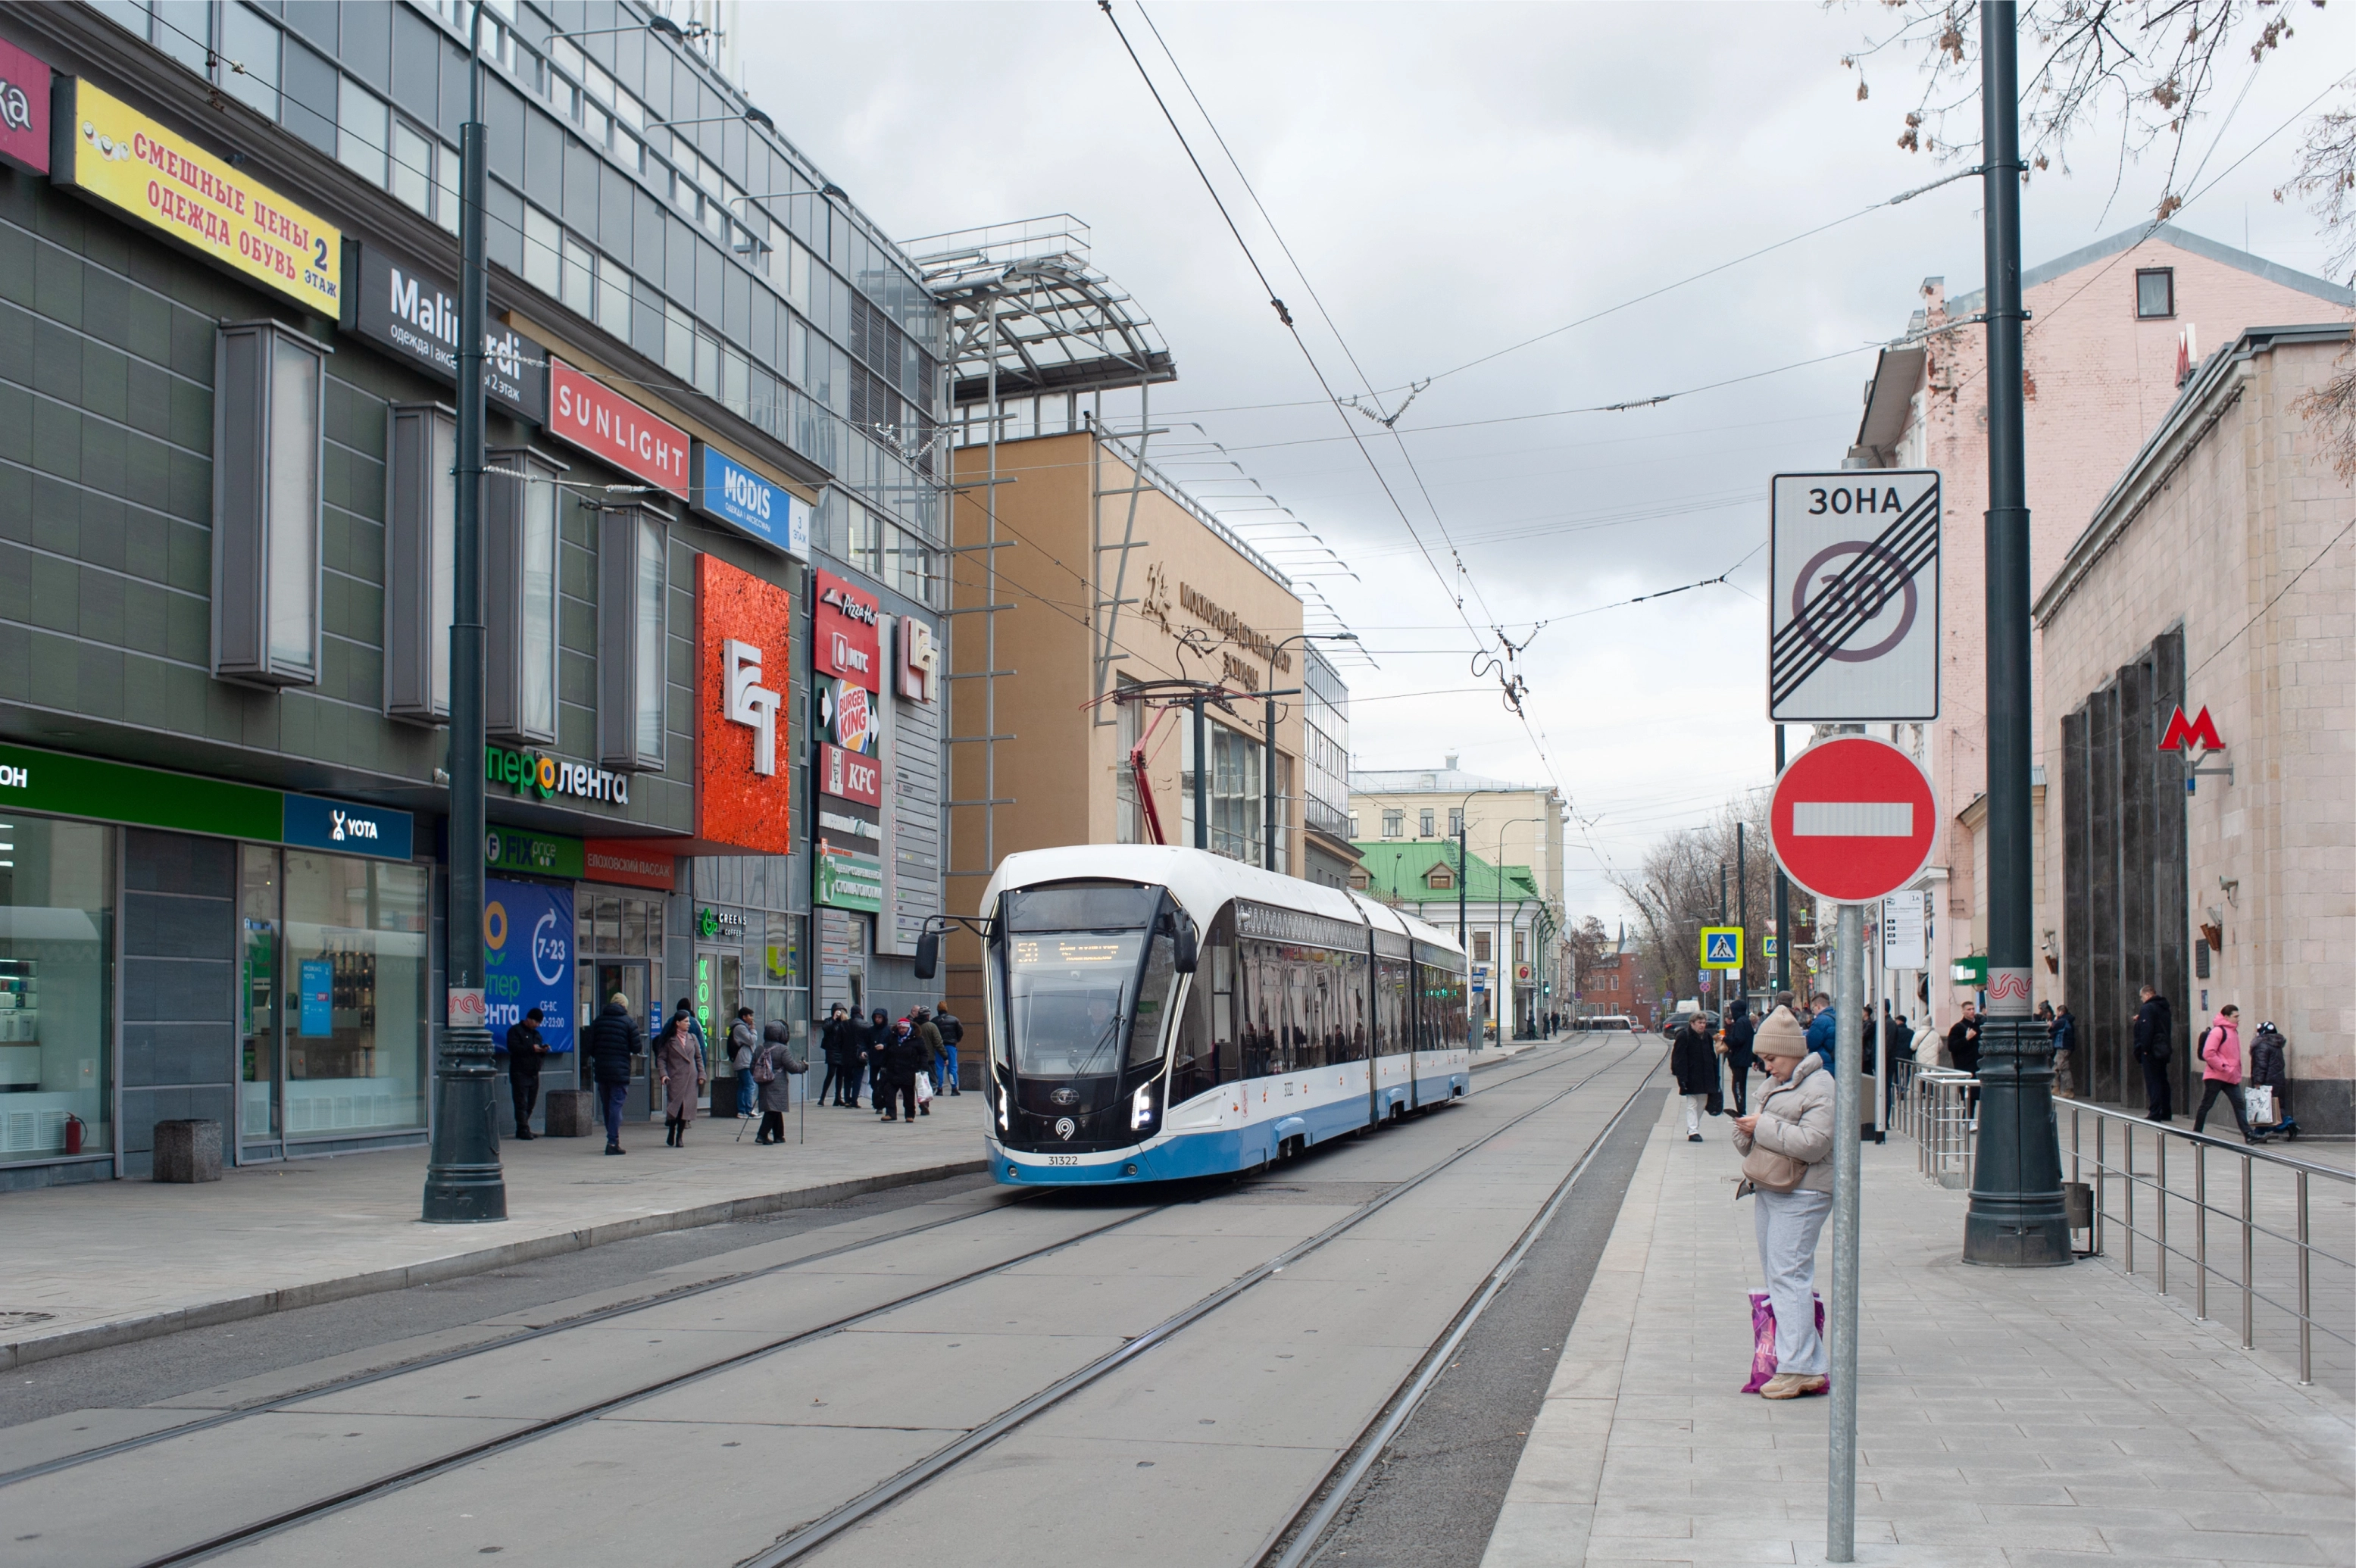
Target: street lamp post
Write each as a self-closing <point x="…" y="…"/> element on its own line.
<point x="1503" y="967"/>
<point x="464" y="1183"/>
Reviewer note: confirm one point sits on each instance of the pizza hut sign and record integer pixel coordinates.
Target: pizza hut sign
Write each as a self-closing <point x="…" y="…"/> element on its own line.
<point x="848" y="626"/>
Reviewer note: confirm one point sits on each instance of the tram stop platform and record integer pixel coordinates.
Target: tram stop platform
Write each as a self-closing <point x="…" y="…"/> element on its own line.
<point x="111" y="1262"/>
<point x="2007" y="1418"/>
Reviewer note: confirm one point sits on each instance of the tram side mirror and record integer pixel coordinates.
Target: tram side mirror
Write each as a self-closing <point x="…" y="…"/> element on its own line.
<point x="928" y="955"/>
<point x="1183" y="954"/>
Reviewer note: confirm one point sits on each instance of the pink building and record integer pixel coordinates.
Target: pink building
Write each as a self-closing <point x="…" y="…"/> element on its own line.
<point x="2111" y="329"/>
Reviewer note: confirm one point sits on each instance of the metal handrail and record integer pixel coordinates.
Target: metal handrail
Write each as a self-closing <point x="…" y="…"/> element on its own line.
<point x="2245" y="1214"/>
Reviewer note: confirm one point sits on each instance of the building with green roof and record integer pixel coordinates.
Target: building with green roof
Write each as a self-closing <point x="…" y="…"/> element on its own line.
<point x="1505" y="914"/>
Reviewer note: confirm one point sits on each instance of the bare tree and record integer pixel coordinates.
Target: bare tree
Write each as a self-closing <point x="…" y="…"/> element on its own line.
<point x="1677" y="892"/>
<point x="2327" y="178"/>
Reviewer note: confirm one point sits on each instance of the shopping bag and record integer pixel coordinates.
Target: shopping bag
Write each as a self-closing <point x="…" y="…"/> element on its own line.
<point x="1763" y="1338"/>
<point x="924" y="1088"/>
<point x="2260" y="1101"/>
<point x="1716" y="1105"/>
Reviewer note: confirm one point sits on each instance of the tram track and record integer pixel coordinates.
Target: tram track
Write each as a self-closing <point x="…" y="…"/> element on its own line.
<point x="814" y="1533"/>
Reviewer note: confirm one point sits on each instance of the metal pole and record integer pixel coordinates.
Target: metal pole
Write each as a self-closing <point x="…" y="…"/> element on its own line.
<point x="464" y="1184"/>
<point x="1782" y="972"/>
<point x="2015" y="1220"/>
<point x="1840" y="1509"/>
<point x="1202" y="779"/>
<point x="1267" y="780"/>
<point x="1460" y="883"/>
<point x="1742" y="919"/>
<point x="2306" y="1315"/>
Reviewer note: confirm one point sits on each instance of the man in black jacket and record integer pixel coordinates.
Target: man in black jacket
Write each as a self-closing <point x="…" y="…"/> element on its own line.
<point x="611" y="1044"/>
<point x="952" y="1029"/>
<point x="2154" y="1043"/>
<point x="838" y="1073"/>
<point x="525" y="1051"/>
<point x="1738" y="1058"/>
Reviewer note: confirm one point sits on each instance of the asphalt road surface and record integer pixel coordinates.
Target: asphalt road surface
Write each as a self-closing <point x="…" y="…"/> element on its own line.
<point x="957" y="1373"/>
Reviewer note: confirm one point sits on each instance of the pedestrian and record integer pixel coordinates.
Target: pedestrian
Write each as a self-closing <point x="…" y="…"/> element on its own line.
<point x="1900" y="1042"/>
<point x="612" y="1046"/>
<point x="879" y="1061"/>
<point x="1734" y="1044"/>
<point x="928" y="1040"/>
<point x="1695" y="1063"/>
<point x="526" y="1050"/>
<point x="682" y="1074"/>
<point x="744" y="1040"/>
<point x="1787" y="1150"/>
<point x="902" y="1059"/>
<point x="2221" y="1072"/>
<point x="2155" y="1041"/>
<point x="1963" y="1041"/>
<point x="2270" y="1066"/>
<point x="771" y="1073"/>
<point x="2065" y="1043"/>
<point x="830" y="1047"/>
<point x="1821" y="1027"/>
<point x="952" y="1029"/>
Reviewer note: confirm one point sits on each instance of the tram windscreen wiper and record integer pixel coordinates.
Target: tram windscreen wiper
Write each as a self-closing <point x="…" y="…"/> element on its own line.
<point x="1086" y="1068"/>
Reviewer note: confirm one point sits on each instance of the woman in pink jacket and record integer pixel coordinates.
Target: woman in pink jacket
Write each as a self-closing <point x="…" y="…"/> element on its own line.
<point x="2221" y="1072"/>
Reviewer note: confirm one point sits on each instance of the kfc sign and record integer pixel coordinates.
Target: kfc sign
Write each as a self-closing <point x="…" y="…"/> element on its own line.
<point x="604" y="423"/>
<point x="743" y="626"/>
<point x="846" y="623"/>
<point x="848" y="775"/>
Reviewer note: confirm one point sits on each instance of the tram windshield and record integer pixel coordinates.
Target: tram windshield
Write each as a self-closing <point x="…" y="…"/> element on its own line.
<point x="1071" y="994"/>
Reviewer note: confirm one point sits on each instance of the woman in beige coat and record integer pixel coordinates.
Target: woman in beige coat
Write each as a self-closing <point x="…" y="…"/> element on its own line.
<point x="1795" y="1119"/>
<point x="680" y="1061"/>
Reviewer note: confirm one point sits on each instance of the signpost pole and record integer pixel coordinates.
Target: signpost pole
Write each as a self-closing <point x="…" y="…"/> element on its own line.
<point x="1849" y="995"/>
<point x="1780" y="979"/>
<point x="463" y="1183"/>
<point x="1202" y="779"/>
<point x="2015" y="1220"/>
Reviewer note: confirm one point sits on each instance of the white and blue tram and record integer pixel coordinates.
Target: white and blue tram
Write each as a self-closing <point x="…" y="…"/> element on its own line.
<point x="1160" y="1012"/>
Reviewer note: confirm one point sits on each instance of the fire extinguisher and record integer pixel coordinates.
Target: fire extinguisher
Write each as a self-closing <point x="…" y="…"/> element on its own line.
<point x="73" y="1133"/>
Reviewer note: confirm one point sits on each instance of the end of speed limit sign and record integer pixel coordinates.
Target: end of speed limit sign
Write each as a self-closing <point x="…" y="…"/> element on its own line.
<point x="1854" y="612"/>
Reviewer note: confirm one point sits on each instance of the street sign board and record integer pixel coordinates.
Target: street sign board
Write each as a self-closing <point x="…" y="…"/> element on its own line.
<point x="1852" y="819"/>
<point x="1854" y="612"/>
<point x="1721" y="947"/>
<point x="1902" y="943"/>
<point x="1771" y="946"/>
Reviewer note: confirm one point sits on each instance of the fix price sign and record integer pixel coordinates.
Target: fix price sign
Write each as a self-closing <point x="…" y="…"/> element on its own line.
<point x="1854" y="611"/>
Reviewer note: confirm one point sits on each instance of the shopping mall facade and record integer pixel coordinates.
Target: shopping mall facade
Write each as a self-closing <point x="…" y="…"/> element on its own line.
<point x="712" y="564"/>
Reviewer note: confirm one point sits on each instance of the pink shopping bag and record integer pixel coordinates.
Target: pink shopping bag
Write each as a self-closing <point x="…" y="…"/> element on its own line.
<point x="1763" y="1338"/>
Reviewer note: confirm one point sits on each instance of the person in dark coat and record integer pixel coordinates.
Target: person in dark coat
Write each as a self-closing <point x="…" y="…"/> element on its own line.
<point x="2270" y="1066"/>
<point x="1693" y="1059"/>
<point x="1898" y="1040"/>
<point x="612" y="1044"/>
<point x="903" y="1057"/>
<point x="2065" y="1062"/>
<point x="952" y="1029"/>
<point x="838" y="1057"/>
<point x="879" y="1061"/>
<point x="525" y="1051"/>
<point x="1734" y="1043"/>
<point x="772" y="1082"/>
<point x="2154" y="1043"/>
<point x="928" y="1040"/>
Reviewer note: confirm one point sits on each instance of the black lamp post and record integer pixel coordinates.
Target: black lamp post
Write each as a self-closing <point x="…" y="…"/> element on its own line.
<point x="463" y="1183"/>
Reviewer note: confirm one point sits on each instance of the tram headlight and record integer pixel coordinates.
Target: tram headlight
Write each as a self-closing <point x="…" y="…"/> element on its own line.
<point x="1140" y="1108"/>
<point x="1001" y="1110"/>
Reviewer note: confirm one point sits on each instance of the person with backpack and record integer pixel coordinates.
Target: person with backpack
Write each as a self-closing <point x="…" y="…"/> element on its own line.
<point x="952" y="1029"/>
<point x="744" y="1040"/>
<point x="612" y="1046"/>
<point x="770" y="1073"/>
<point x="1787" y="1165"/>
<point x="2270" y="1066"/>
<point x="681" y="1057"/>
<point x="2221" y="1072"/>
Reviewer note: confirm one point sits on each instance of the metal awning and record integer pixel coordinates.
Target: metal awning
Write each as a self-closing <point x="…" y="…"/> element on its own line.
<point x="1024" y="301"/>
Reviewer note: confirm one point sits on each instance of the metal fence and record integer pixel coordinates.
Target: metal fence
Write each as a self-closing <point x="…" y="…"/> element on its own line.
<point x="2267" y="1214"/>
<point x="1938" y="1107"/>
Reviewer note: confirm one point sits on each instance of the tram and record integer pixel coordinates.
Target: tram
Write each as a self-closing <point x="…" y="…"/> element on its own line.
<point x="1160" y="1012"/>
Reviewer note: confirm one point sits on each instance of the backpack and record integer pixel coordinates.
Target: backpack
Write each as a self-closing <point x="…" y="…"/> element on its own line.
<point x="765" y="1066"/>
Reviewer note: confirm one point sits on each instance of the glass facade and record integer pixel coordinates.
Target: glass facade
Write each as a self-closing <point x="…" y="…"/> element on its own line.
<point x="56" y="947"/>
<point x="332" y="996"/>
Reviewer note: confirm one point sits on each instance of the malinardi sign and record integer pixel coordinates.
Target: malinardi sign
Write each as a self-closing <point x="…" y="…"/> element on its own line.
<point x="413" y="311"/>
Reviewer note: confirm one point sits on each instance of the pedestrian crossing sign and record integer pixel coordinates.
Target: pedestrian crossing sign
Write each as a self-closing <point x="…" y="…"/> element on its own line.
<point x="1721" y="947"/>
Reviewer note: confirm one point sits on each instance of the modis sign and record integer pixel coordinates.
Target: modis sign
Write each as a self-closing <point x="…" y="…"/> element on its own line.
<point x="107" y="150"/>
<point x="604" y="423"/>
<point x="743" y="638"/>
<point x="846" y="623"/>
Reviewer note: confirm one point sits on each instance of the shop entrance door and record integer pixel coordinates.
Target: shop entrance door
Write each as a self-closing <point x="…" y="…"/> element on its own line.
<point x="633" y="978"/>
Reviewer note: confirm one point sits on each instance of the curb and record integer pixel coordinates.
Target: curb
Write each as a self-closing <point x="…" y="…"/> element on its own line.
<point x="129" y="1330"/>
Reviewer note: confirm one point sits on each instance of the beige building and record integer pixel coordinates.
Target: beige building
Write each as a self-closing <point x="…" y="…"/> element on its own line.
<point x="2218" y="576"/>
<point x="1108" y="579"/>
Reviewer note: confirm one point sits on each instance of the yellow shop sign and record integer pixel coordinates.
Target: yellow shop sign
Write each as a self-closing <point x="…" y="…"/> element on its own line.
<point x="106" y="149"/>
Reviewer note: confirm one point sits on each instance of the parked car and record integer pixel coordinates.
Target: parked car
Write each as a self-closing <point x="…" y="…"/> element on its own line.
<point x="1669" y="1030"/>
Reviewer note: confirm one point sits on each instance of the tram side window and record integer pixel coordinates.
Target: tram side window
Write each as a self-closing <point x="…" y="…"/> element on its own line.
<point x="1208" y="1052"/>
<point x="1148" y="1034"/>
<point x="1390" y="1008"/>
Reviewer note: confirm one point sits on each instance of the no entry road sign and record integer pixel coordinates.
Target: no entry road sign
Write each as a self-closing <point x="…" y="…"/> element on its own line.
<point x="1854" y="611"/>
<point x="1852" y="819"/>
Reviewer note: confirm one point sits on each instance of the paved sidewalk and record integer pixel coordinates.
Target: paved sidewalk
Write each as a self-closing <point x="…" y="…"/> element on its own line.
<point x="116" y="1261"/>
<point x="2011" y="1419"/>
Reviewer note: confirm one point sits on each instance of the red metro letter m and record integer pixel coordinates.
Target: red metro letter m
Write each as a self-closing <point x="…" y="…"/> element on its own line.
<point x="2202" y="732"/>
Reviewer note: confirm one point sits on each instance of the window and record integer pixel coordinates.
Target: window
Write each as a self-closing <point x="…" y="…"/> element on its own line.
<point x="412" y="168"/>
<point x="866" y="542"/>
<point x="1358" y="877"/>
<point x="1480" y="948"/>
<point x="1615" y="982"/>
<point x="1129" y="815"/>
<point x="1423" y="825"/>
<point x="360" y="131"/>
<point x="1521" y="947"/>
<point x="544" y="252"/>
<point x="2154" y="293"/>
<point x="613" y="298"/>
<point x="1393" y="823"/>
<point x="580" y="278"/>
<point x="421" y="505"/>
<point x="57" y="938"/>
<point x="519" y="576"/>
<point x="1455" y="820"/>
<point x="1353" y="825"/>
<point x="1442" y="877"/>
<point x="269" y="385"/>
<point x="631" y="612"/>
<point x="251" y="43"/>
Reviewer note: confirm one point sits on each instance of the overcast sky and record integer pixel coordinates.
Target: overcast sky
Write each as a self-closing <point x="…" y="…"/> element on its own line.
<point x="1453" y="179"/>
